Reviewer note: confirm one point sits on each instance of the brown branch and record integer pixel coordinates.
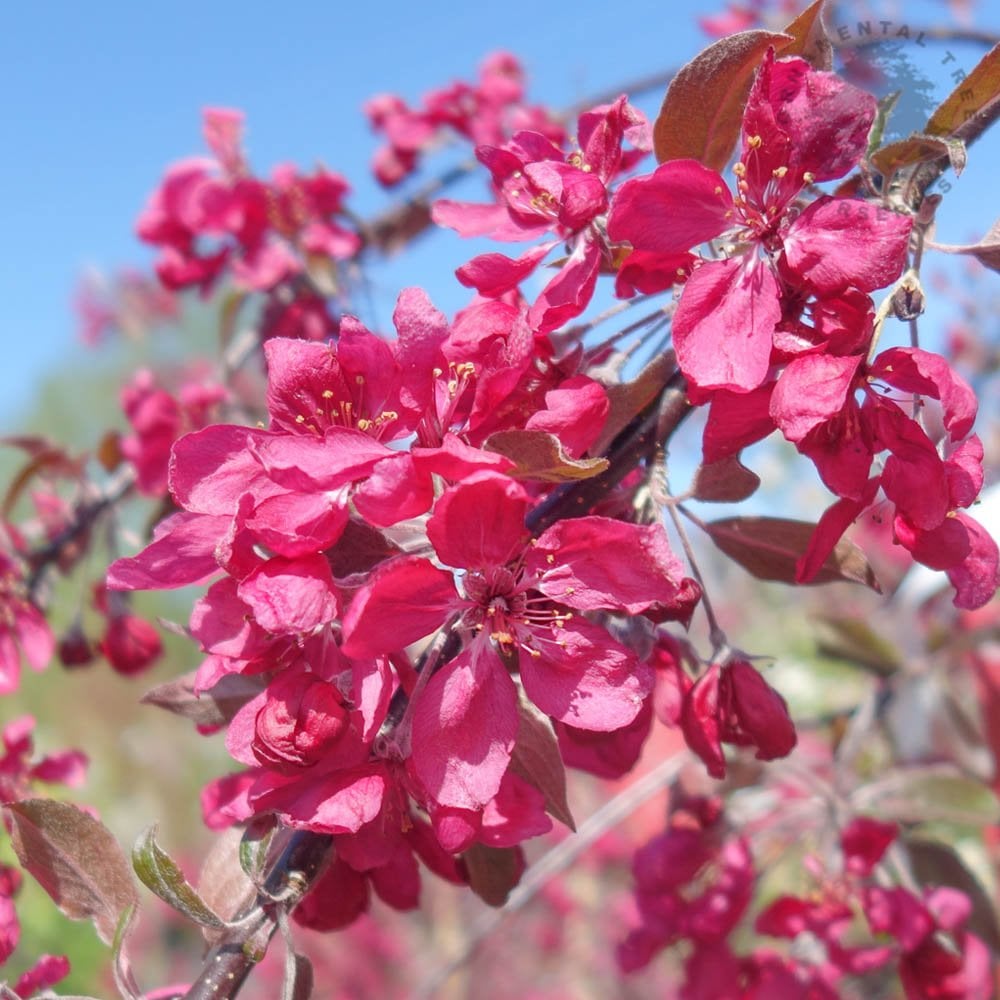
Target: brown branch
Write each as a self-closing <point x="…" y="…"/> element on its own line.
<point x="85" y="516"/>
<point x="925" y="174"/>
<point x="304" y="858"/>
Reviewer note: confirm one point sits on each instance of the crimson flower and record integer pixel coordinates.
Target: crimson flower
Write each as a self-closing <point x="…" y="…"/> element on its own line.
<point x="24" y="632"/>
<point x="732" y="703"/>
<point x="485" y="112"/>
<point x="262" y="230"/>
<point x="520" y="605"/>
<point x="800" y="126"/>
<point x="543" y="190"/>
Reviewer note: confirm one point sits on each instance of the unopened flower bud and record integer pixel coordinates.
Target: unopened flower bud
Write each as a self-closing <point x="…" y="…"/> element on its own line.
<point x="301" y="719"/>
<point x="130" y="644"/>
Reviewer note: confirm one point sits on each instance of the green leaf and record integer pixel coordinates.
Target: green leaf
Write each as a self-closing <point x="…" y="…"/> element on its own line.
<point x="856" y="641"/>
<point x="122" y="965"/>
<point x="229" y="312"/>
<point x="254" y="846"/>
<point x="935" y="863"/>
<point x="883" y="111"/>
<point x="161" y="875"/>
<point x="929" y="792"/>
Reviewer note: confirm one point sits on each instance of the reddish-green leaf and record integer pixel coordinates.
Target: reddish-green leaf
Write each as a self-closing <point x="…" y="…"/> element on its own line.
<point x="255" y="844"/>
<point x="222" y="883"/>
<point x="161" y="875"/>
<point x="121" y="968"/>
<point x="769" y="547"/>
<point x="973" y="95"/>
<point x="919" y="149"/>
<point x="540" y="455"/>
<point x="76" y="860"/>
<point x="229" y="312"/>
<point x="928" y="792"/>
<point x="628" y="399"/>
<point x="725" y="481"/>
<point x="703" y="108"/>
<point x="935" y="863"/>
<point x="44" y="456"/>
<point x="986" y="251"/>
<point x="493" y="872"/>
<point x="857" y="642"/>
<point x="809" y="38"/>
<point x="536" y="758"/>
<point x="109" y="452"/>
<point x="212" y="708"/>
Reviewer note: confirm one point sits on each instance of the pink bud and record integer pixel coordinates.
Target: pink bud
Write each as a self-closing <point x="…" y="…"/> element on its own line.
<point x="130" y="644"/>
<point x="301" y="719"/>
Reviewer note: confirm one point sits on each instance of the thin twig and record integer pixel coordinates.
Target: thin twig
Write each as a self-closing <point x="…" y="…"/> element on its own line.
<point x="84" y="518"/>
<point x="716" y="635"/>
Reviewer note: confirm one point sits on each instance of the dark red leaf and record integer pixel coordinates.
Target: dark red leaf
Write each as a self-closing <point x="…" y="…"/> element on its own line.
<point x="725" y="481"/>
<point x="768" y="548"/>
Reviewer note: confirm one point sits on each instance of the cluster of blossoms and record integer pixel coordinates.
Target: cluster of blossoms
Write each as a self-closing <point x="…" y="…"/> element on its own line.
<point x="777" y="328"/>
<point x="128" y="642"/>
<point x="488" y="111"/>
<point x="281" y="237"/>
<point x="416" y="616"/>
<point x="543" y="190"/>
<point x="383" y="577"/>
<point x="335" y="553"/>
<point x="25" y="634"/>
<point x="695" y="883"/>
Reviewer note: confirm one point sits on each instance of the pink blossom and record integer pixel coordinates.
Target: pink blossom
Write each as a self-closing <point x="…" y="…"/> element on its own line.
<point x="486" y="112"/>
<point x="210" y="214"/>
<point x="515" y="603"/>
<point x="158" y="419"/>
<point x="24" y="633"/>
<point x="800" y="125"/>
<point x="130" y="644"/>
<point x="732" y="703"/>
<point x="546" y="191"/>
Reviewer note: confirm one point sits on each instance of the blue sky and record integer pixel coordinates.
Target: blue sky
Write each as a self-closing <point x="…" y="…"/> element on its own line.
<point x="99" y="97"/>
